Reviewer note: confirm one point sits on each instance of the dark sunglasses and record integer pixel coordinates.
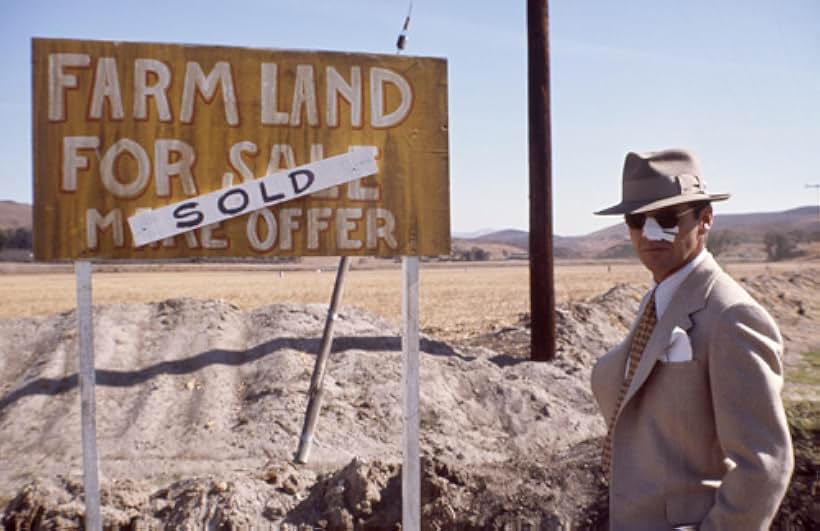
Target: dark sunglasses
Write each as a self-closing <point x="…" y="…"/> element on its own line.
<point x="667" y="219"/>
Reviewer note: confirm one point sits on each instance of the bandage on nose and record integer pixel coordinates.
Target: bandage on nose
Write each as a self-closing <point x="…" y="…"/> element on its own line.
<point x="653" y="231"/>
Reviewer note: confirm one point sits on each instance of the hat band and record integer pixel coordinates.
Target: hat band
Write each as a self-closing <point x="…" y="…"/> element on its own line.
<point x="642" y="191"/>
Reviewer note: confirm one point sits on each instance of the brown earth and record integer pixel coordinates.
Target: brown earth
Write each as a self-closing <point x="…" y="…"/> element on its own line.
<point x="200" y="406"/>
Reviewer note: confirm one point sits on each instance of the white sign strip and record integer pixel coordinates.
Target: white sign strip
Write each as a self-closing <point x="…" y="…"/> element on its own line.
<point x="244" y="198"/>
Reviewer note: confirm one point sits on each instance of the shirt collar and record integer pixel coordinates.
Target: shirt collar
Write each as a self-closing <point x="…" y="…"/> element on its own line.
<point x="668" y="286"/>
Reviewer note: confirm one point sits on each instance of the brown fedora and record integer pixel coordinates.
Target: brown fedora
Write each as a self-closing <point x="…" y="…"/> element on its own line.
<point x="658" y="179"/>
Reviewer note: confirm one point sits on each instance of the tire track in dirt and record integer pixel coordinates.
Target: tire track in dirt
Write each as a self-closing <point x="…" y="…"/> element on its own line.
<point x="183" y="388"/>
<point x="40" y="409"/>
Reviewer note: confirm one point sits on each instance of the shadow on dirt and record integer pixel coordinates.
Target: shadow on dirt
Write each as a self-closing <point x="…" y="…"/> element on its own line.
<point x="56" y="386"/>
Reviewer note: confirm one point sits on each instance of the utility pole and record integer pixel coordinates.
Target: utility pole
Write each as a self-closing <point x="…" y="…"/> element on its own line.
<point x="542" y="285"/>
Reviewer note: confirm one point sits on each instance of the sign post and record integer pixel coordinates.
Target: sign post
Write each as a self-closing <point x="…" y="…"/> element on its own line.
<point x="411" y="465"/>
<point x="316" y="390"/>
<point x="88" y="405"/>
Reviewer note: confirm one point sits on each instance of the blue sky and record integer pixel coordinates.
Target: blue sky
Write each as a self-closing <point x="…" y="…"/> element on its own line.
<point x="738" y="81"/>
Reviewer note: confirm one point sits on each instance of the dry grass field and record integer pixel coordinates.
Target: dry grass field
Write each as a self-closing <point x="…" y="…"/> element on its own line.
<point x="457" y="300"/>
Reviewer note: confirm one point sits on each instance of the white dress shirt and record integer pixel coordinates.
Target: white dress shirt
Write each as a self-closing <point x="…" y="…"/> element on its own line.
<point x="668" y="286"/>
<point x="679" y="348"/>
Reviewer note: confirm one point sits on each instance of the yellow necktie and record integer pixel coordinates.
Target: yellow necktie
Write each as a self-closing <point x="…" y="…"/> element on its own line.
<point x="639" y="341"/>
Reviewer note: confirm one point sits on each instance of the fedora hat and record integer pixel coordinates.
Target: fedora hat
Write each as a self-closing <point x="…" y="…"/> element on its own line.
<point x="658" y="179"/>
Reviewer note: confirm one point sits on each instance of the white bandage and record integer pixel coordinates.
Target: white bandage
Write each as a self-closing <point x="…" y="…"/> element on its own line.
<point x="653" y="231"/>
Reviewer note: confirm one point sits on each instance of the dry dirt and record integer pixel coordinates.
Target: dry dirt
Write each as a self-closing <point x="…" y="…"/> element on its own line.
<point x="201" y="402"/>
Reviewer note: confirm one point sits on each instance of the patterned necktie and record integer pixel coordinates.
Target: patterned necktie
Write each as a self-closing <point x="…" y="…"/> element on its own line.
<point x="639" y="341"/>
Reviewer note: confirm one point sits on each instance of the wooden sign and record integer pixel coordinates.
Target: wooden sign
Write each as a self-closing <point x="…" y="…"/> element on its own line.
<point x="125" y="128"/>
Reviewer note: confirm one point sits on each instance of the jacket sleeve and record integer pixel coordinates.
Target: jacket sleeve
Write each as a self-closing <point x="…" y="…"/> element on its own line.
<point x="746" y="377"/>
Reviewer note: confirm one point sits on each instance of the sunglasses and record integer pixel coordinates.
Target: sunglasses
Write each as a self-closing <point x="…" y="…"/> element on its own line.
<point x="667" y="219"/>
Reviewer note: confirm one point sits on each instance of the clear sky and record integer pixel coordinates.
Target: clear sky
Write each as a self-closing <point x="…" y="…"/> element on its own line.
<point x="738" y="81"/>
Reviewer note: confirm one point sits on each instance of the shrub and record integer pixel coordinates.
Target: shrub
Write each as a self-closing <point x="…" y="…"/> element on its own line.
<point x="779" y="246"/>
<point x="721" y="241"/>
<point x="19" y="238"/>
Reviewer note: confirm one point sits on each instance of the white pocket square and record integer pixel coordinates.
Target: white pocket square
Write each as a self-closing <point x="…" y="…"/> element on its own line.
<point x="679" y="349"/>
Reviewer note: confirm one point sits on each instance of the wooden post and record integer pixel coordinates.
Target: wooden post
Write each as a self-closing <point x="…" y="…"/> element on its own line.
<point x="411" y="469"/>
<point x="317" y="380"/>
<point x="542" y="291"/>
<point x="88" y="408"/>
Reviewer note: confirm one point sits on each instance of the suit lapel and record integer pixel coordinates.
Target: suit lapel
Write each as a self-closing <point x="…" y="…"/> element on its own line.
<point x="688" y="299"/>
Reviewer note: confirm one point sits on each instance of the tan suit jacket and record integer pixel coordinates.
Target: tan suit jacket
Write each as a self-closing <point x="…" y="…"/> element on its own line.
<point x="681" y="421"/>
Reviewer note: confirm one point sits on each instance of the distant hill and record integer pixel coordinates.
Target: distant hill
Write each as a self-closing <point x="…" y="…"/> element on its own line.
<point x="613" y="241"/>
<point x="14" y="215"/>
<point x="563" y="247"/>
<point x="513" y="237"/>
<point x="472" y="234"/>
<point x="803" y="219"/>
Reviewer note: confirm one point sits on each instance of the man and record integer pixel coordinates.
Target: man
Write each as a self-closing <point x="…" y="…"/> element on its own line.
<point x="697" y="436"/>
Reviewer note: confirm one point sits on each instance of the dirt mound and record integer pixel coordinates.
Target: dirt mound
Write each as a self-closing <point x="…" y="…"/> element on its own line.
<point x="200" y="406"/>
<point x="584" y="330"/>
<point x="794" y="301"/>
<point x="198" y="503"/>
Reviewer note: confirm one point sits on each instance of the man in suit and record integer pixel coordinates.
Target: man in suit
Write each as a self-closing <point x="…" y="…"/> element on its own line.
<point x="697" y="436"/>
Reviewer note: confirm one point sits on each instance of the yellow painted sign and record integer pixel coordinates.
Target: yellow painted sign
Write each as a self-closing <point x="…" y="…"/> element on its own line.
<point x="122" y="128"/>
